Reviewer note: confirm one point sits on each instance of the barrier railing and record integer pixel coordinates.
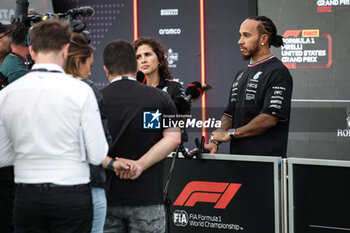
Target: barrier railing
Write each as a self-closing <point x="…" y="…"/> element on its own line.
<point x="319" y="196"/>
<point x="253" y="194"/>
<point x="225" y="193"/>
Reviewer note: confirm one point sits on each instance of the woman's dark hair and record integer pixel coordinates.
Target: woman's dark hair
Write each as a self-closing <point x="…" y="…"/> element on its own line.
<point x="79" y="50"/>
<point x="164" y="71"/>
<point x="266" y="26"/>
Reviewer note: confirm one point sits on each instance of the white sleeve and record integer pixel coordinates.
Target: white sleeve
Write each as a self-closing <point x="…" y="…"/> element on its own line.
<point x="94" y="136"/>
<point x="7" y="154"/>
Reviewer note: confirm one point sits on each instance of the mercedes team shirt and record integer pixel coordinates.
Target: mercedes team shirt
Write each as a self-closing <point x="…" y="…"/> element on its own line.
<point x="263" y="87"/>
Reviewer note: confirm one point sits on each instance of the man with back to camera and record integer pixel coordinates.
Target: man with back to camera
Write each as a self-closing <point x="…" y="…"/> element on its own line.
<point x="135" y="198"/>
<point x="256" y="119"/>
<point x="17" y="63"/>
<point x="50" y="138"/>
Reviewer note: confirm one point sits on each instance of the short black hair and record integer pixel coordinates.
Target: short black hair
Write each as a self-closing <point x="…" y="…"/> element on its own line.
<point x="19" y="34"/>
<point x="266" y="26"/>
<point x="119" y="58"/>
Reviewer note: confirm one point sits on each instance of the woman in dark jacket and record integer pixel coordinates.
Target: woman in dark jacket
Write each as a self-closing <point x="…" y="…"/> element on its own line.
<point x="79" y="61"/>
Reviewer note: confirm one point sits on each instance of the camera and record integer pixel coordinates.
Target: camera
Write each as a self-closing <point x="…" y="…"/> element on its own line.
<point x="31" y="18"/>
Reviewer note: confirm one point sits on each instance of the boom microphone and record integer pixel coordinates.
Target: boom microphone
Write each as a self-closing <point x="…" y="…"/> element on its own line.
<point x="21" y="11"/>
<point x="84" y="11"/>
<point x="193" y="91"/>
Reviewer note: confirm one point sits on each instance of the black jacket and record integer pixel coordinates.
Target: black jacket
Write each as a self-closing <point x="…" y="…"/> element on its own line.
<point x="176" y="93"/>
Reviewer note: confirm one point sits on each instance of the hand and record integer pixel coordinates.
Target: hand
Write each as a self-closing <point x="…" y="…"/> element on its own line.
<point x="122" y="165"/>
<point x="137" y="171"/>
<point x="133" y="173"/>
<point x="220" y="136"/>
<point x="213" y="148"/>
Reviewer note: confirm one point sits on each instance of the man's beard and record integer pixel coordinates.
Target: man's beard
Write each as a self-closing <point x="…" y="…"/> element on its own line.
<point x="252" y="52"/>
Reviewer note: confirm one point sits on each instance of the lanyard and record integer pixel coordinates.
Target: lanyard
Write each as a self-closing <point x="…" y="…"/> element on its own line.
<point x="45" y="70"/>
<point x="25" y="60"/>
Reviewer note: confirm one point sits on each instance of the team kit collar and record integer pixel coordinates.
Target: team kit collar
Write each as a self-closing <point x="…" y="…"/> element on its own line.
<point x="161" y="83"/>
<point x="262" y="61"/>
<point x="122" y="78"/>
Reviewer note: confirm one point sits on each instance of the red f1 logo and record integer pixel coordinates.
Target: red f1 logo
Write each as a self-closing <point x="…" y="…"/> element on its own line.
<point x="291" y="33"/>
<point x="213" y="192"/>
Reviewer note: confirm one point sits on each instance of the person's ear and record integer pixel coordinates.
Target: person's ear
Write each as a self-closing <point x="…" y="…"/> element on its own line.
<point x="31" y="52"/>
<point x="65" y="50"/>
<point x="264" y="39"/>
<point x="107" y="71"/>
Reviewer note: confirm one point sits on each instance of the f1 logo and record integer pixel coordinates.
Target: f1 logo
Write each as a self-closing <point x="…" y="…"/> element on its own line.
<point x="291" y="33"/>
<point x="212" y="192"/>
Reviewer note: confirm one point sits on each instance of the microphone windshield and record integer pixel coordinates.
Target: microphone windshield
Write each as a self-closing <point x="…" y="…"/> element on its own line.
<point x="84" y="11"/>
<point x="194" y="89"/>
<point x="140" y="77"/>
<point x="21" y="10"/>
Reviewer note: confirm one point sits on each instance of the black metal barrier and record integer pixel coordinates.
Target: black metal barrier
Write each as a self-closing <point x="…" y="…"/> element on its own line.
<point x="319" y="196"/>
<point x="258" y="194"/>
<point x="225" y="193"/>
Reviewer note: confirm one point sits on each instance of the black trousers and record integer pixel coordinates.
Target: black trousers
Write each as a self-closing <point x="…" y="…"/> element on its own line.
<point x="48" y="208"/>
<point x="6" y="205"/>
<point x="7" y="190"/>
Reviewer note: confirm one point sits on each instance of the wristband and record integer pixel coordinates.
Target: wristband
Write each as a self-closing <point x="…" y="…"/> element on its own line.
<point x="110" y="165"/>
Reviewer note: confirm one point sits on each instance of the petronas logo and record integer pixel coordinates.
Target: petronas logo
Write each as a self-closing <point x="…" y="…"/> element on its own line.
<point x="256" y="76"/>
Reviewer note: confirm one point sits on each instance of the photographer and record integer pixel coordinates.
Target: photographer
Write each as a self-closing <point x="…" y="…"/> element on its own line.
<point x="5" y="47"/>
<point x="16" y="64"/>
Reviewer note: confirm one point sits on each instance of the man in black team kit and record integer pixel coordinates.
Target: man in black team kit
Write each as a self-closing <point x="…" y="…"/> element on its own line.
<point x="135" y="198"/>
<point x="256" y="119"/>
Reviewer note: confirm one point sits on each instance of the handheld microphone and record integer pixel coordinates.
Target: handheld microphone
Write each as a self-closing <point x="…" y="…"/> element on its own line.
<point x="84" y="11"/>
<point x="141" y="77"/>
<point x="193" y="91"/>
